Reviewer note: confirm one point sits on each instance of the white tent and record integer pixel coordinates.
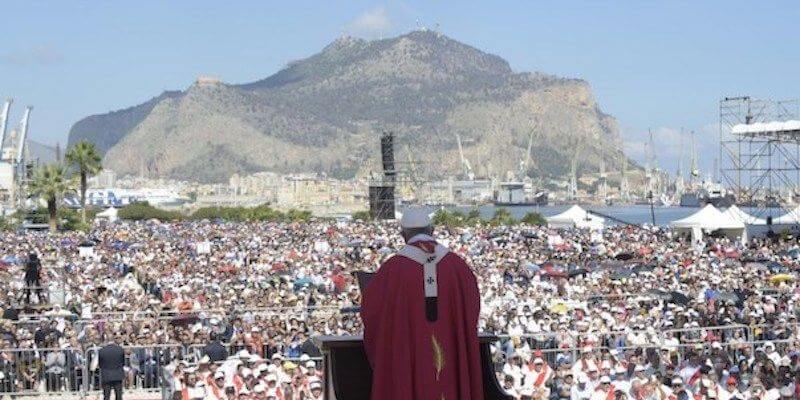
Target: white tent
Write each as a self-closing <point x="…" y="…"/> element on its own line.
<point x="790" y="218"/>
<point x="739" y="215"/>
<point x="762" y="127"/>
<point x="109" y="214"/>
<point x="576" y="217"/>
<point x="709" y="219"/>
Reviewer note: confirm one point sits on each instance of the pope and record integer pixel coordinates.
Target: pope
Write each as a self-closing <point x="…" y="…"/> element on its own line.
<point x="420" y="314"/>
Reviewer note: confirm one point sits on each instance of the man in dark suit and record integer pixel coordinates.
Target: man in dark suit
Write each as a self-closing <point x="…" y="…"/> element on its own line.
<point x="215" y="350"/>
<point x="33" y="280"/>
<point x="111" y="361"/>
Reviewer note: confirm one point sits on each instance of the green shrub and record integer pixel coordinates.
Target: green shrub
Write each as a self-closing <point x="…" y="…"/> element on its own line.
<point x="362" y="216"/>
<point x="503" y="217"/>
<point x="8" y="224"/>
<point x="534" y="218"/>
<point x="144" y="211"/>
<point x="258" y="213"/>
<point x="446" y="218"/>
<point x="474" y="216"/>
<point x="297" y="215"/>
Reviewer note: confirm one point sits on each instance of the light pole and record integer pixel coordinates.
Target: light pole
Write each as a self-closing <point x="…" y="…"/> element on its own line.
<point x="652" y="207"/>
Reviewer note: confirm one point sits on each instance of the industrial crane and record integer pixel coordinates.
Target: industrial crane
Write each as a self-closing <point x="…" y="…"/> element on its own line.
<point x="23" y="133"/>
<point x="415" y="182"/>
<point x="523" y="163"/>
<point x="464" y="162"/>
<point x="4" y="124"/>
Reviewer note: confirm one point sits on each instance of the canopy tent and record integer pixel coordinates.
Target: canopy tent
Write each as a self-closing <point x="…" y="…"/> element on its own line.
<point x="110" y="214"/>
<point x="791" y="217"/>
<point x="737" y="214"/>
<point x="576" y="217"/>
<point x="766" y="127"/>
<point x="709" y="219"/>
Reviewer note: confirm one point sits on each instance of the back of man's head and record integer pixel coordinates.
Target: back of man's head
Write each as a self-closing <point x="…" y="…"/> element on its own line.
<point x="415" y="221"/>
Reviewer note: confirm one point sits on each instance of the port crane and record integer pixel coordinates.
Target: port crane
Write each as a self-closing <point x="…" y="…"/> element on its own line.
<point x="4" y="122"/>
<point x="464" y="162"/>
<point x="525" y="161"/>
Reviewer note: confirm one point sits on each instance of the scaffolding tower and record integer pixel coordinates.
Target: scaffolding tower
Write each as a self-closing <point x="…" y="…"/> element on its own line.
<point x="760" y="151"/>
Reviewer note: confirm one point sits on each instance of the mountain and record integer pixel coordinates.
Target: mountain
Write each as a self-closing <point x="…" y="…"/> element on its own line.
<point x="43" y="153"/>
<point x="324" y="114"/>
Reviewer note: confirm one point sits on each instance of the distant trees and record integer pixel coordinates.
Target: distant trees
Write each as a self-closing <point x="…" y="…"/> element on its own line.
<point x="534" y="218"/>
<point x="361" y="215"/>
<point x="501" y="217"/>
<point x="86" y="159"/>
<point x="145" y="211"/>
<point x="50" y="182"/>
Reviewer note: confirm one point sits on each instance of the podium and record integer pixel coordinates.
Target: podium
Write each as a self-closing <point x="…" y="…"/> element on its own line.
<point x="348" y="375"/>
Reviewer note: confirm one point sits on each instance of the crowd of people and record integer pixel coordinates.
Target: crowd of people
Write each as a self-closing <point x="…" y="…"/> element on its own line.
<point x="215" y="310"/>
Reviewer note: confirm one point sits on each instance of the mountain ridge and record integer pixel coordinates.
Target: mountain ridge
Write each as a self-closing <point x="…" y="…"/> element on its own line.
<point x="323" y="113"/>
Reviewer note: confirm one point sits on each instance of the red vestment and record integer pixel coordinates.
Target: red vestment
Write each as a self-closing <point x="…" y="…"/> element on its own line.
<point x="412" y="358"/>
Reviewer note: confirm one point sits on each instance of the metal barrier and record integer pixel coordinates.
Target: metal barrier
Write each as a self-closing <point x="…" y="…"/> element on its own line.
<point x="36" y="371"/>
<point x="196" y="352"/>
<point x="76" y="372"/>
<point x="675" y="353"/>
<point x="144" y="366"/>
<point x="549" y="340"/>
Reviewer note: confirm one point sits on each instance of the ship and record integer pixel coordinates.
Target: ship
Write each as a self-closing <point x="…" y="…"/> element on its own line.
<point x="513" y="194"/>
<point x="713" y="194"/>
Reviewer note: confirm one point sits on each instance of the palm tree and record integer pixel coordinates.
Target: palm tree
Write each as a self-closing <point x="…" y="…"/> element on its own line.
<point x="85" y="157"/>
<point x="50" y="183"/>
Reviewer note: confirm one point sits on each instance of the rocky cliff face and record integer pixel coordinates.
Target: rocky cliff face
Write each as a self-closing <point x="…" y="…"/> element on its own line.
<point x="325" y="113"/>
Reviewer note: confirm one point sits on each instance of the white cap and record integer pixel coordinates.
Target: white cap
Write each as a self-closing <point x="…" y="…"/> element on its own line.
<point x="272" y="378"/>
<point x="605" y="379"/>
<point x="415" y="217"/>
<point x="311" y="364"/>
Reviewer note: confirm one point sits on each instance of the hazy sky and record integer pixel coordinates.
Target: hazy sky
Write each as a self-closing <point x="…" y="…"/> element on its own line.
<point x="661" y="65"/>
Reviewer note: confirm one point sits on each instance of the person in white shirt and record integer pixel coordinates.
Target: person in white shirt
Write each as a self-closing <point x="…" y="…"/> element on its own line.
<point x="583" y="364"/>
<point x="603" y="389"/>
<point x="513" y="368"/>
<point x="730" y="391"/>
<point x="769" y="349"/>
<point x="621" y="380"/>
<point x="508" y="386"/>
<point x="539" y="377"/>
<point x="581" y="391"/>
